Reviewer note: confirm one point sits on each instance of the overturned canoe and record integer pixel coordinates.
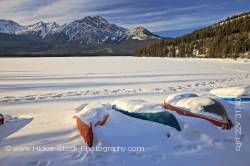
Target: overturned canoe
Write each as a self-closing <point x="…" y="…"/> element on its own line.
<point x="86" y="130"/>
<point x="238" y="99"/>
<point x="213" y="112"/>
<point x="165" y="118"/>
<point x="236" y="94"/>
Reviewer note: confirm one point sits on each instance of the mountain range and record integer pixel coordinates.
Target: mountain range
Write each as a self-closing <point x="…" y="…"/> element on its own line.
<point x="88" y="35"/>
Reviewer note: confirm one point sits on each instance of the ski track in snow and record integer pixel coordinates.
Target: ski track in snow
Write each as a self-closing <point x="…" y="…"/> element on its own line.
<point x="78" y="94"/>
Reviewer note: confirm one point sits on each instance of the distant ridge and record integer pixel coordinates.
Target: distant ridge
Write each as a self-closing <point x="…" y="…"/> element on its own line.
<point x="92" y="34"/>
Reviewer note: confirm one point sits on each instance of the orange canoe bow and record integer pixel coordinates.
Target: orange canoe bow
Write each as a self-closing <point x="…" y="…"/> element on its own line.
<point x="223" y="125"/>
<point x="85" y="131"/>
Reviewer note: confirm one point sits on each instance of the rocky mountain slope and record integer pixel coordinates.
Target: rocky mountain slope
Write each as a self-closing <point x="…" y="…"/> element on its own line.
<point x="10" y="27"/>
<point x="88" y="35"/>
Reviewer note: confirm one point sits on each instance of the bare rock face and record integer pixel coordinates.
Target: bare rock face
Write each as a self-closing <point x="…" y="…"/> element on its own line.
<point x="141" y="33"/>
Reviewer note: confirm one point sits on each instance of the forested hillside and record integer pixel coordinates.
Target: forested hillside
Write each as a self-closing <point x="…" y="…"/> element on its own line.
<point x="229" y="38"/>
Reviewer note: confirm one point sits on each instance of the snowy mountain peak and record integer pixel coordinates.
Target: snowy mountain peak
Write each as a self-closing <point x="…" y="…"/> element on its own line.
<point x="94" y="30"/>
<point x="139" y="28"/>
<point x="41" y="29"/>
<point x="5" y="22"/>
<point x="95" y="19"/>
<point x="89" y="30"/>
<point x="40" y="23"/>
<point x="141" y="33"/>
<point x="10" y="27"/>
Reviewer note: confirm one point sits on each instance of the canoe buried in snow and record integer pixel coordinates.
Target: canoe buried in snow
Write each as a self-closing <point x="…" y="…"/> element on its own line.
<point x="86" y="130"/>
<point x="224" y="123"/>
<point x="234" y="94"/>
<point x="165" y="118"/>
<point x="239" y="99"/>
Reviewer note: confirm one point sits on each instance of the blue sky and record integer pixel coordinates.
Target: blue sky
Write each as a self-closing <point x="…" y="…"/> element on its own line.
<point x="164" y="17"/>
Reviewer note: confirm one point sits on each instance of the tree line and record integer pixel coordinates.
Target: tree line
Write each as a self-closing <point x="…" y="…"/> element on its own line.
<point x="226" y="39"/>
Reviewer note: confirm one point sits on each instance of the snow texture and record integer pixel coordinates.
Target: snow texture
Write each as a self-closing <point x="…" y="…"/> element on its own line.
<point x="43" y="94"/>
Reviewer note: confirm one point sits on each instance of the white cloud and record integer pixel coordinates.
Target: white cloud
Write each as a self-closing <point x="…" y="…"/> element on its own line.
<point x="156" y="15"/>
<point x="26" y="11"/>
<point x="177" y="23"/>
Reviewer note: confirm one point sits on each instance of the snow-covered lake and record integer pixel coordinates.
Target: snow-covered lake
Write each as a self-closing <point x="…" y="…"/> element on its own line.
<point x="44" y="92"/>
<point x="39" y="79"/>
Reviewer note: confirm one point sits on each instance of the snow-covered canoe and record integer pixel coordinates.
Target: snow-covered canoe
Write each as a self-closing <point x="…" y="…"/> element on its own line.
<point x="242" y="99"/>
<point x="85" y="120"/>
<point x="97" y="122"/>
<point x="165" y="118"/>
<point x="145" y="110"/>
<point x="205" y="107"/>
<point x="239" y="93"/>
